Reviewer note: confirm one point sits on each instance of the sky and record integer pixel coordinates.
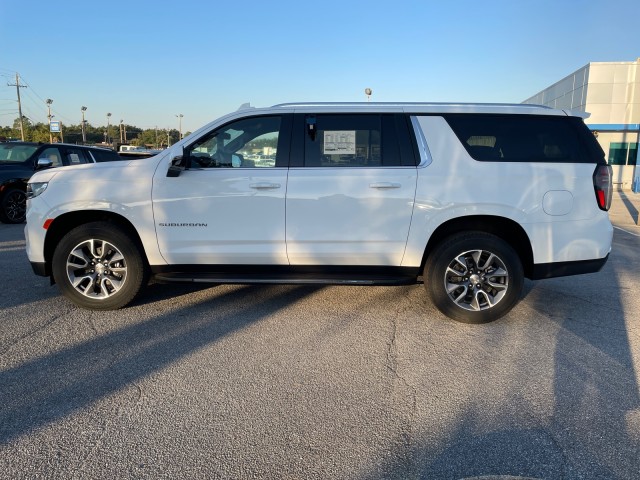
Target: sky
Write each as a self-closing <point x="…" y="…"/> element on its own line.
<point x="147" y="62"/>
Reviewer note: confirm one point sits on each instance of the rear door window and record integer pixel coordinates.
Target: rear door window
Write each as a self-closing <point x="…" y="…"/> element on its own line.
<point x="525" y="138"/>
<point x="76" y="156"/>
<point x="357" y="140"/>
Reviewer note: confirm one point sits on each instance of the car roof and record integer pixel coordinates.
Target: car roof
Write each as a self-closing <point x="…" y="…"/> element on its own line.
<point x="46" y="144"/>
<point x="420" y="107"/>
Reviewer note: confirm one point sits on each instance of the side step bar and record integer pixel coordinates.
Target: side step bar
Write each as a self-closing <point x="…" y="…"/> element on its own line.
<point x="291" y="279"/>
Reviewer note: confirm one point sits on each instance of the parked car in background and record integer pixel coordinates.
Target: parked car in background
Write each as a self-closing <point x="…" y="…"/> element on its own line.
<point x="133" y="151"/>
<point x="19" y="160"/>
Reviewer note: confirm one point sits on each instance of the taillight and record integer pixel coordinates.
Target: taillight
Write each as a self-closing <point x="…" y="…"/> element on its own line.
<point x="603" y="186"/>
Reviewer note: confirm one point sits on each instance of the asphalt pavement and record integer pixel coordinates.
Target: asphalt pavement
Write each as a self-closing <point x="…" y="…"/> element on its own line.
<point x="625" y="208"/>
<point x="339" y="382"/>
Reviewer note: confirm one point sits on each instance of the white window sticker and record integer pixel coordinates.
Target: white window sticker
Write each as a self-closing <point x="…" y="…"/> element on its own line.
<point x="74" y="158"/>
<point x="339" y="142"/>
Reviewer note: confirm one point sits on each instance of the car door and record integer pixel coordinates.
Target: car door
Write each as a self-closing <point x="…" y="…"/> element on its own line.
<point x="350" y="195"/>
<point x="228" y="206"/>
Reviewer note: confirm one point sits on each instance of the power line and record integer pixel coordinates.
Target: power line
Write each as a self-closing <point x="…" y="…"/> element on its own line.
<point x="38" y="105"/>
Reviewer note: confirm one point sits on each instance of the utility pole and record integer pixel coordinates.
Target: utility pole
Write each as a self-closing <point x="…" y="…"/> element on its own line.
<point x="18" y="87"/>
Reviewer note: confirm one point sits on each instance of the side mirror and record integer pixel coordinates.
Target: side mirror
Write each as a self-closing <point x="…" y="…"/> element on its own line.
<point x="43" y="163"/>
<point x="178" y="164"/>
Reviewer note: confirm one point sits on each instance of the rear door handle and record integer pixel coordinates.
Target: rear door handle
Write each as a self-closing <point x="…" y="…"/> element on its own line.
<point x="264" y="186"/>
<point x="384" y="185"/>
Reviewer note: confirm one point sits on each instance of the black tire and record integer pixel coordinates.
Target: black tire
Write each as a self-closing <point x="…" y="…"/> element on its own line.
<point x="99" y="267"/>
<point x="474" y="277"/>
<point x="13" y="207"/>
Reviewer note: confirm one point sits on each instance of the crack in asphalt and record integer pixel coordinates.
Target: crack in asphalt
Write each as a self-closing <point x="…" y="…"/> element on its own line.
<point x="406" y="432"/>
<point x="36" y="330"/>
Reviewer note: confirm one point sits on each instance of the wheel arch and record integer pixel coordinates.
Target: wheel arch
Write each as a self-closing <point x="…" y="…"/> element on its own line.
<point x="11" y="183"/>
<point x="508" y="230"/>
<point x="68" y="221"/>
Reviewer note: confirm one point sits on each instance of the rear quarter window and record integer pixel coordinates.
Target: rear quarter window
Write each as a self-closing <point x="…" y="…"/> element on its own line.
<point x="526" y="138"/>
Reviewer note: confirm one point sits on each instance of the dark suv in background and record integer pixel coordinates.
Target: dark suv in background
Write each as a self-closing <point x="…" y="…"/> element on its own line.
<point x="19" y="160"/>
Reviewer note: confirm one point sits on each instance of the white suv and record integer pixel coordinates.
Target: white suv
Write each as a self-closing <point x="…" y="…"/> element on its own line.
<point x="467" y="199"/>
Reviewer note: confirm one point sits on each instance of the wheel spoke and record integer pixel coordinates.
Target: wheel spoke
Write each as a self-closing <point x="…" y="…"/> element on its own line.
<point x="95" y="247"/>
<point x="475" y="255"/>
<point x="484" y="302"/>
<point x="462" y="296"/>
<point x="452" y="287"/>
<point x="78" y="281"/>
<point x="487" y="262"/>
<point x="497" y="286"/>
<point x="79" y="255"/>
<point x="460" y="260"/>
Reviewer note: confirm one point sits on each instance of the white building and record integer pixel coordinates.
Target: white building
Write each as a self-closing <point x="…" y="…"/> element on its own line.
<point x="610" y="92"/>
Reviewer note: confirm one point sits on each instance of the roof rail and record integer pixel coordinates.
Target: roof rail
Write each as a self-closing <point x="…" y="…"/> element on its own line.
<point x="406" y="104"/>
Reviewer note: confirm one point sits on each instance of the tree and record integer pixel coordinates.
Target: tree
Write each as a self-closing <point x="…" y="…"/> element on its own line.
<point x="39" y="132"/>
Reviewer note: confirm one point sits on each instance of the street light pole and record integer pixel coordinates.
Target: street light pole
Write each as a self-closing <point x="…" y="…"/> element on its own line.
<point x="49" y="102"/>
<point x="179" y="116"/>
<point x="84" y="133"/>
<point x="108" y="125"/>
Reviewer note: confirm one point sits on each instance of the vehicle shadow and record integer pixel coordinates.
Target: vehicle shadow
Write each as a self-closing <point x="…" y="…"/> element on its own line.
<point x="631" y="208"/>
<point x="570" y="414"/>
<point x="41" y="391"/>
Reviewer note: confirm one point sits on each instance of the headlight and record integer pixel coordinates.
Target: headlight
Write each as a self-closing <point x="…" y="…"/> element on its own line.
<point x="36" y="188"/>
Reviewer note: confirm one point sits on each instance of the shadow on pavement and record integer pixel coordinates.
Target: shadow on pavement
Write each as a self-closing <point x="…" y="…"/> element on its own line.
<point x="566" y="416"/>
<point x="631" y="204"/>
<point x="41" y="391"/>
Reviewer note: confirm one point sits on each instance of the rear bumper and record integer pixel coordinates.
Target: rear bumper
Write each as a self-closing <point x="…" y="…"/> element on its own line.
<point x="563" y="269"/>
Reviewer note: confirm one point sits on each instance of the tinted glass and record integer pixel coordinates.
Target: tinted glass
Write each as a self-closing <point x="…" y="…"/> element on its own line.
<point x="76" y="156"/>
<point x="524" y="138"/>
<point x="247" y="143"/>
<point x="343" y="141"/>
<point x="15" y="152"/>
<point x="623" y="153"/>
<point x="53" y="154"/>
<point x="104" y="155"/>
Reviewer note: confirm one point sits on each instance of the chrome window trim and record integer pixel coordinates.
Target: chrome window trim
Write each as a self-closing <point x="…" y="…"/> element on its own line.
<point x="423" y="148"/>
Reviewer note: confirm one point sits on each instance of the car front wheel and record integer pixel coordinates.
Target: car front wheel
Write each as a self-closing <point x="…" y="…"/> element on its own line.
<point x="97" y="266"/>
<point x="13" y="207"/>
<point x="474" y="277"/>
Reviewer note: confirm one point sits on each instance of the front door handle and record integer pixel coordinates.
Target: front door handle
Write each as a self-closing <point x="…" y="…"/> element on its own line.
<point x="384" y="185"/>
<point x="264" y="186"/>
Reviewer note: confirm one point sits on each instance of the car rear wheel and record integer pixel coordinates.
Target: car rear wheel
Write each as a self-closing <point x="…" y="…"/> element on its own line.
<point x="13" y="207"/>
<point x="98" y="266"/>
<point x="474" y="277"/>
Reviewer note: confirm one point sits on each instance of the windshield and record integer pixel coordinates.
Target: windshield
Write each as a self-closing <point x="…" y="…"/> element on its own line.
<point x="15" y="152"/>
